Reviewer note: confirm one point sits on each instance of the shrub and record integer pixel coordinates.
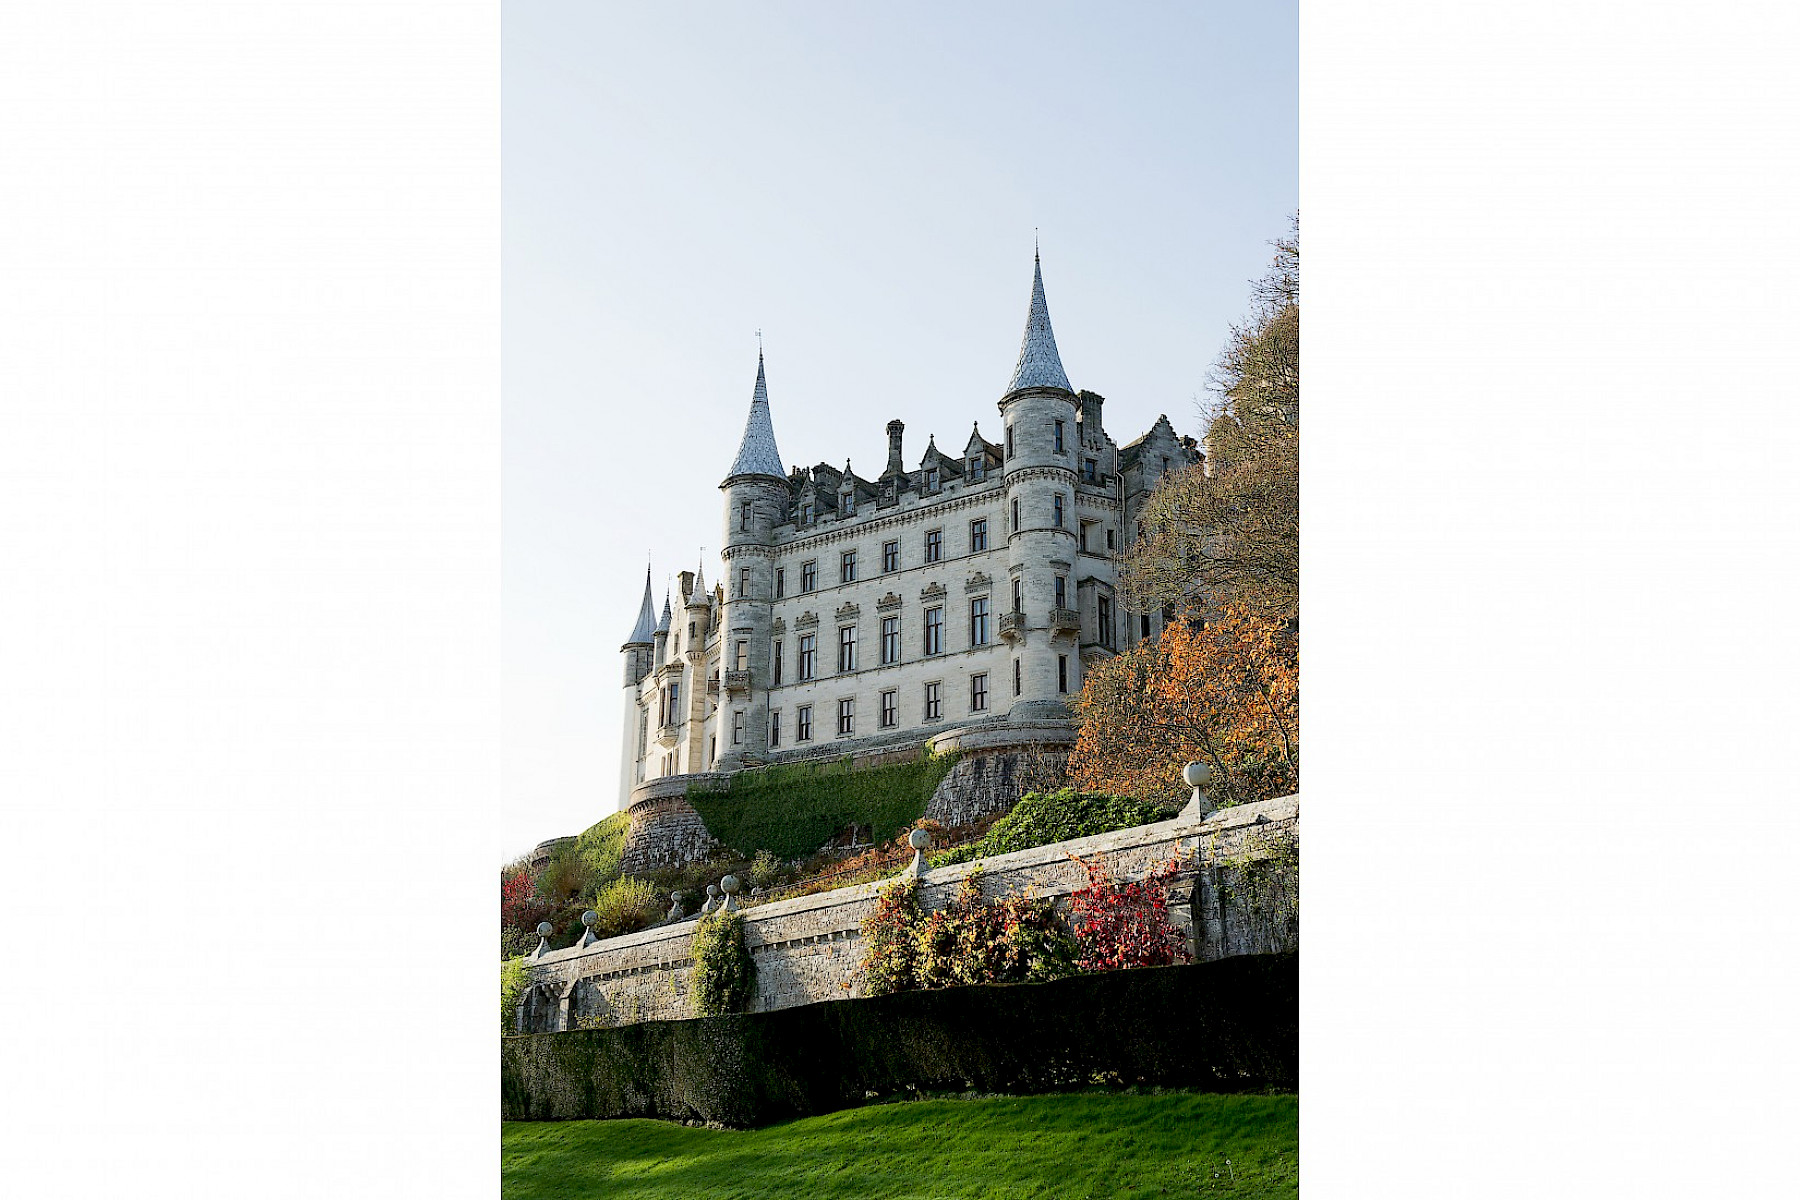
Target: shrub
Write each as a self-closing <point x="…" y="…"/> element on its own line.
<point x="1041" y="818"/>
<point x="791" y="809"/>
<point x="1122" y="925"/>
<point x="513" y="980"/>
<point x="724" y="973"/>
<point x="625" y="905"/>
<point x="601" y="847"/>
<point x="971" y="941"/>
<point x="766" y="870"/>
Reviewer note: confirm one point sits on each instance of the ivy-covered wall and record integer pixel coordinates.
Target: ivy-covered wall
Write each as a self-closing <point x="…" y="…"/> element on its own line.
<point x="1230" y="1025"/>
<point x="793" y="809"/>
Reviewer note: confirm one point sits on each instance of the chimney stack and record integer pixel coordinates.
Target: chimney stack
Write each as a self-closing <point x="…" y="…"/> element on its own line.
<point x="896" y="464"/>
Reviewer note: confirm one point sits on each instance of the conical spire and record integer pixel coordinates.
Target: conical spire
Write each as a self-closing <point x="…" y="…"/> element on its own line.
<point x="1039" y="363"/>
<point x="757" y="454"/>
<point x="668" y="616"/>
<point x="699" y="579"/>
<point x="644" y="632"/>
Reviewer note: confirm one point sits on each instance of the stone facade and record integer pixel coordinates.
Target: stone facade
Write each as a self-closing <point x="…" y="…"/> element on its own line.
<point x="1236" y="895"/>
<point x="969" y="591"/>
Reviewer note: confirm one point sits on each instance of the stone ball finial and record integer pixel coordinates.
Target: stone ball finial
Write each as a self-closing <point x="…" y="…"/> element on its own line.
<point x="918" y="839"/>
<point x="590" y="918"/>
<point x="712" y="889"/>
<point x="1196" y="774"/>
<point x="676" y="897"/>
<point x="545" y="929"/>
<point x="729" y="885"/>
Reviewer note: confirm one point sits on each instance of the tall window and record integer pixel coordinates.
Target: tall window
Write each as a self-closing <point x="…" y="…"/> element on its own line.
<point x="1015" y="523"/>
<point x="1018" y="595"/>
<point x="1018" y="676"/>
<point x="890" y="641"/>
<point x="674" y="701"/>
<point x="1062" y="672"/>
<point x="809" y="576"/>
<point x="934" y="545"/>
<point x="1059" y="437"/>
<point x="978" y="692"/>
<point x="978" y="621"/>
<point x="890" y="557"/>
<point x="934" y="631"/>
<point x="1009" y="441"/>
<point x="1109" y="539"/>
<point x="889" y="710"/>
<point x="846" y="649"/>
<point x="934" y="701"/>
<point x="977" y="536"/>
<point x="775" y="656"/>
<point x="809" y="655"/>
<point x="1144" y="625"/>
<point x="737" y="728"/>
<point x="846" y="717"/>
<point x="780" y="582"/>
<point x="775" y="727"/>
<point x="743" y="581"/>
<point x="1058" y="514"/>
<point x="803" y="723"/>
<point x="1090" y="470"/>
<point x="1084" y="529"/>
<point x="1062" y="591"/>
<point x="847" y="567"/>
<point x="1104" y="603"/>
<point x="744" y="515"/>
<point x="743" y="657"/>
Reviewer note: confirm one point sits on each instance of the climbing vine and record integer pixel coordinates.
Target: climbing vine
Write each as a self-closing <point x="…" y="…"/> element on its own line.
<point x="724" y="973"/>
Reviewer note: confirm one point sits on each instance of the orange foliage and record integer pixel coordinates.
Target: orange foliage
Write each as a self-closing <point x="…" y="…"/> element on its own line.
<point x="1225" y="694"/>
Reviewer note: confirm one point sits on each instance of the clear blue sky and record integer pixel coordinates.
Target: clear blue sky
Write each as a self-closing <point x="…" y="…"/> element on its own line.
<point x="861" y="184"/>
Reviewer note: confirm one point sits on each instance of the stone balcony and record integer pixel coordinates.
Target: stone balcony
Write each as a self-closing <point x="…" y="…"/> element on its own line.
<point x="1064" y="620"/>
<point x="1012" y="625"/>
<point x="667" y="735"/>
<point x="737" y="682"/>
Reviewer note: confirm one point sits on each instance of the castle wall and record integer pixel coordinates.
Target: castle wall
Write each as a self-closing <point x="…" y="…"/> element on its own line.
<point x="1236" y="895"/>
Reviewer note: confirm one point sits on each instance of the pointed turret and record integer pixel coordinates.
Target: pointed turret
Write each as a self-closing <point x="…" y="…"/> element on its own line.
<point x="644" y="632"/>
<point x="1039" y="363"/>
<point x="699" y="591"/>
<point x="668" y="616"/>
<point x="757" y="454"/>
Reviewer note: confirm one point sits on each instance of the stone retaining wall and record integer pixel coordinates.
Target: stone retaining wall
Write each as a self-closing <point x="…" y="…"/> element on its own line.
<point x="1236" y="895"/>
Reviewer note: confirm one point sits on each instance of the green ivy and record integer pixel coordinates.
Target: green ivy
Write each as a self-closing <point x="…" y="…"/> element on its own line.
<point x="724" y="973"/>
<point x="513" y="979"/>
<point x="601" y="847"/>
<point x="792" y="809"/>
<point x="1040" y="818"/>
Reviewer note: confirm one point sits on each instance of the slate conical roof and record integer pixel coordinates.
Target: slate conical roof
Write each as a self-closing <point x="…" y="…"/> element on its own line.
<point x="699" y="592"/>
<point x="644" y="632"/>
<point x="667" y="617"/>
<point x="757" y="454"/>
<point x="1039" y="363"/>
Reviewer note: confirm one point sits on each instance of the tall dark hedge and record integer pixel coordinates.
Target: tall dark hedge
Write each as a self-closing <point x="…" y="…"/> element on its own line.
<point x="792" y="809"/>
<point x="1230" y="1025"/>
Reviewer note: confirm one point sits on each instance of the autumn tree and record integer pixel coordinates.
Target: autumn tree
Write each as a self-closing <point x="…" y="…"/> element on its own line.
<point x="1221" y="691"/>
<point x="1228" y="531"/>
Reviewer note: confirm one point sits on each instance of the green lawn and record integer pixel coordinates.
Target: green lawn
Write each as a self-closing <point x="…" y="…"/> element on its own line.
<point x="1072" y="1145"/>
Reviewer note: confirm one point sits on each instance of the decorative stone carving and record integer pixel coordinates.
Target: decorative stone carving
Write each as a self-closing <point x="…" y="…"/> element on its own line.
<point x="779" y="627"/>
<point x="807" y="620"/>
<point x="848" y="611"/>
<point x="888" y="603"/>
<point x="933" y="591"/>
<point x="978" y="582"/>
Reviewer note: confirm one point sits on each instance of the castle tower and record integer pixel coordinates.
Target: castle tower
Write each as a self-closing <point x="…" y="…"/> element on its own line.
<point x="756" y="500"/>
<point x="637" y="657"/>
<point x="1039" y="456"/>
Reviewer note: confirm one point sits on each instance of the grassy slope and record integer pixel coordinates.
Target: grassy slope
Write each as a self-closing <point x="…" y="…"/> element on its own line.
<point x="1071" y="1145"/>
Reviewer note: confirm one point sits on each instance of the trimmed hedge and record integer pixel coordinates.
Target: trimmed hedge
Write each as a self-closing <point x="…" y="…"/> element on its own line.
<point x="792" y="809"/>
<point x="1226" y="1026"/>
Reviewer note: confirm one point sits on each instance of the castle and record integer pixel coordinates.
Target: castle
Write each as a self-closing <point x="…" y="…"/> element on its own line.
<point x="966" y="594"/>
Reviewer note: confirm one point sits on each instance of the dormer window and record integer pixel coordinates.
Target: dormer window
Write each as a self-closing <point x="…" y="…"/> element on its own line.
<point x="849" y="504"/>
<point x="931" y="480"/>
<point x="806" y="513"/>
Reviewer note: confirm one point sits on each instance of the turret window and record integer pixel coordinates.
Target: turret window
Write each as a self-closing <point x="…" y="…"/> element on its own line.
<point x="743" y="657"/>
<point x="737" y="728"/>
<point x="1062" y="591"/>
<point x="1015" y="516"/>
<point x="1018" y="595"/>
<point x="743" y="582"/>
<point x="1009" y="441"/>
<point x="744" y="515"/>
<point x="1062" y="672"/>
<point x="1018" y="677"/>
<point x="1059" y="437"/>
<point x="1058" y="512"/>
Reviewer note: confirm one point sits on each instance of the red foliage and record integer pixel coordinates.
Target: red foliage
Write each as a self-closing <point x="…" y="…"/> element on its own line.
<point x="520" y="906"/>
<point x="1123" y="925"/>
